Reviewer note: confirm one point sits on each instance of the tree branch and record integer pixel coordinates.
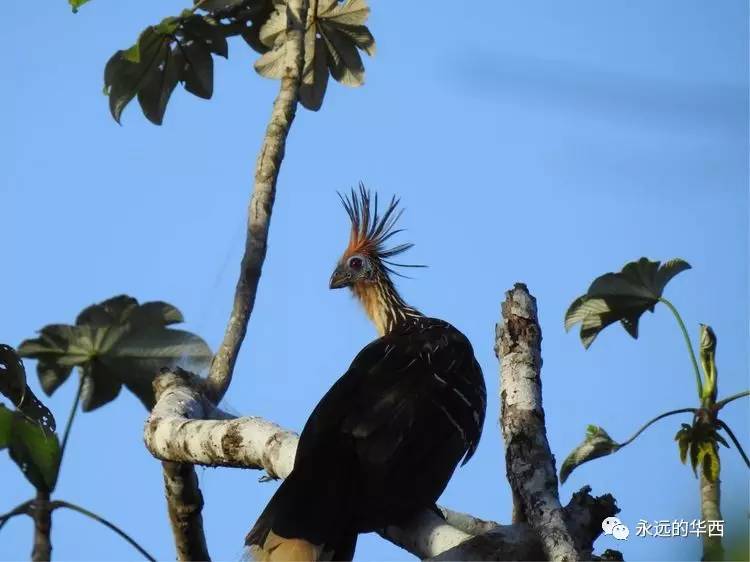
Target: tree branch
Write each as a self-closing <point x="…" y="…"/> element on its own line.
<point x="73" y="507"/>
<point x="530" y="466"/>
<point x="22" y="509"/>
<point x="261" y="203"/>
<point x="183" y="494"/>
<point x="176" y="432"/>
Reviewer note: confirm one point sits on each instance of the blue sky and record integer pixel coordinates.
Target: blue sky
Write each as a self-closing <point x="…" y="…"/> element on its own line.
<point x="530" y="141"/>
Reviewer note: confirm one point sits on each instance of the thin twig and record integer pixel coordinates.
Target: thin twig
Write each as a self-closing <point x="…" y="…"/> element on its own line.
<point x="656" y="419"/>
<point x="22" y="509"/>
<point x="725" y="427"/>
<point x="691" y="352"/>
<point x="721" y="403"/>
<point x="60" y="503"/>
<point x="69" y="423"/>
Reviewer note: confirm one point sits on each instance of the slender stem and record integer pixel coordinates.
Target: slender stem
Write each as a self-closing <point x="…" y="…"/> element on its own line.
<point x="723" y="402"/>
<point x="656" y="419"/>
<point x="42" y="514"/>
<point x="69" y="423"/>
<point x="725" y="427"/>
<point x="60" y="503"/>
<point x="22" y="509"/>
<point x="710" y="493"/>
<point x="685" y="335"/>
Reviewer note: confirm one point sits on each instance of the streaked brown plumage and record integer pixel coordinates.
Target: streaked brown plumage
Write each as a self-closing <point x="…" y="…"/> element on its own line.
<point x="386" y="438"/>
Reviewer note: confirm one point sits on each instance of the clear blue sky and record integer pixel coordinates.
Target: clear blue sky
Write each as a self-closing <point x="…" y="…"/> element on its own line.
<point x="530" y="141"/>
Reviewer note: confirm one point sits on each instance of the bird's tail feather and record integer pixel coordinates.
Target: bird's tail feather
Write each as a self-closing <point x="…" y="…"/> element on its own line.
<point x="290" y="529"/>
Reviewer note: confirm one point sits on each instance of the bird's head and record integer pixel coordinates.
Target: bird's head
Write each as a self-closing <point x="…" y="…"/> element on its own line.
<point x="367" y="259"/>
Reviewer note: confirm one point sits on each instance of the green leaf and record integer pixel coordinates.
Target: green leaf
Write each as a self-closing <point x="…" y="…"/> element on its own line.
<point x="361" y="37"/>
<point x="13" y="386"/>
<point x="315" y="73"/>
<point x="36" y="452"/>
<point x="200" y="29"/>
<point x="6" y="421"/>
<point x="699" y="441"/>
<point x="115" y="342"/>
<point x="344" y="61"/>
<point x="158" y="87"/>
<point x="140" y="356"/>
<point x="349" y="12"/>
<point x="75" y="4"/>
<point x="12" y="375"/>
<point x="708" y="360"/>
<point x="622" y="297"/>
<point x="127" y="71"/>
<point x="198" y="72"/>
<point x="708" y="458"/>
<point x="271" y="63"/>
<point x="683" y="438"/>
<point x="597" y="443"/>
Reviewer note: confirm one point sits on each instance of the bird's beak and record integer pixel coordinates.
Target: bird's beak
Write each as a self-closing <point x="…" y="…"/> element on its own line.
<point x="339" y="279"/>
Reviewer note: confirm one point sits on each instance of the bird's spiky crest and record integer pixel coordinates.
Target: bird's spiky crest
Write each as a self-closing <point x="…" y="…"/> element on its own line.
<point x="370" y="231"/>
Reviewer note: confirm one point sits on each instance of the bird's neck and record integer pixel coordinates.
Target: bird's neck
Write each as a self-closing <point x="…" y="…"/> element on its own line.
<point x="383" y="304"/>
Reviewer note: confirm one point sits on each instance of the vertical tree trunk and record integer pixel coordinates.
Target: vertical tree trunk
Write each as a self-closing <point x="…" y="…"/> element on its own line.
<point x="42" y="515"/>
<point x="530" y="466"/>
<point x="710" y="511"/>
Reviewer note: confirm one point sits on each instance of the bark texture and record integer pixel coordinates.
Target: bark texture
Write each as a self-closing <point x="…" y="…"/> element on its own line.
<point x="710" y="502"/>
<point x="261" y="203"/>
<point x="182" y="492"/>
<point x="42" y="515"/>
<point x="530" y="466"/>
<point x="185" y="505"/>
<point x="175" y="432"/>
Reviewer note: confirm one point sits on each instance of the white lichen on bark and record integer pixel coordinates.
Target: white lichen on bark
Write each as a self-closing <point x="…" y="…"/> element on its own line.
<point x="530" y="466"/>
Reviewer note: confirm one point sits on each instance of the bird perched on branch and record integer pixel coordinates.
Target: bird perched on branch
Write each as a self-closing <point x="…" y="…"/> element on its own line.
<point x="383" y="442"/>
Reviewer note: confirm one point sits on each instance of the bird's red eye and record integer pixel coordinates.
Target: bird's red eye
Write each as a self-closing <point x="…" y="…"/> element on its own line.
<point x="355" y="263"/>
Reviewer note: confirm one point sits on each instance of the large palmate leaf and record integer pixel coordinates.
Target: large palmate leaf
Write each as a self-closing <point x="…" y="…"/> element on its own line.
<point x="597" y="443"/>
<point x="33" y="447"/>
<point x="114" y="343"/>
<point x="179" y="49"/>
<point x="335" y="34"/>
<point x="13" y="386"/>
<point x="622" y="297"/>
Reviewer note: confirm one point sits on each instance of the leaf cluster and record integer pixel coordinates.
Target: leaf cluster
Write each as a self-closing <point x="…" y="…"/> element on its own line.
<point x="178" y="49"/>
<point x="335" y="33"/>
<point x="699" y="442"/>
<point x="622" y="297"/>
<point x="114" y="343"/>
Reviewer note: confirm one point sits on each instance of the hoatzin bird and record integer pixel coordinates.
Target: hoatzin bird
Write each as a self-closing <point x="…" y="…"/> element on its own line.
<point x="385" y="439"/>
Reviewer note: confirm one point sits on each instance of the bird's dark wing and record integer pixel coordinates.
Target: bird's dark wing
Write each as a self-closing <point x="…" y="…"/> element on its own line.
<point x="412" y="402"/>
